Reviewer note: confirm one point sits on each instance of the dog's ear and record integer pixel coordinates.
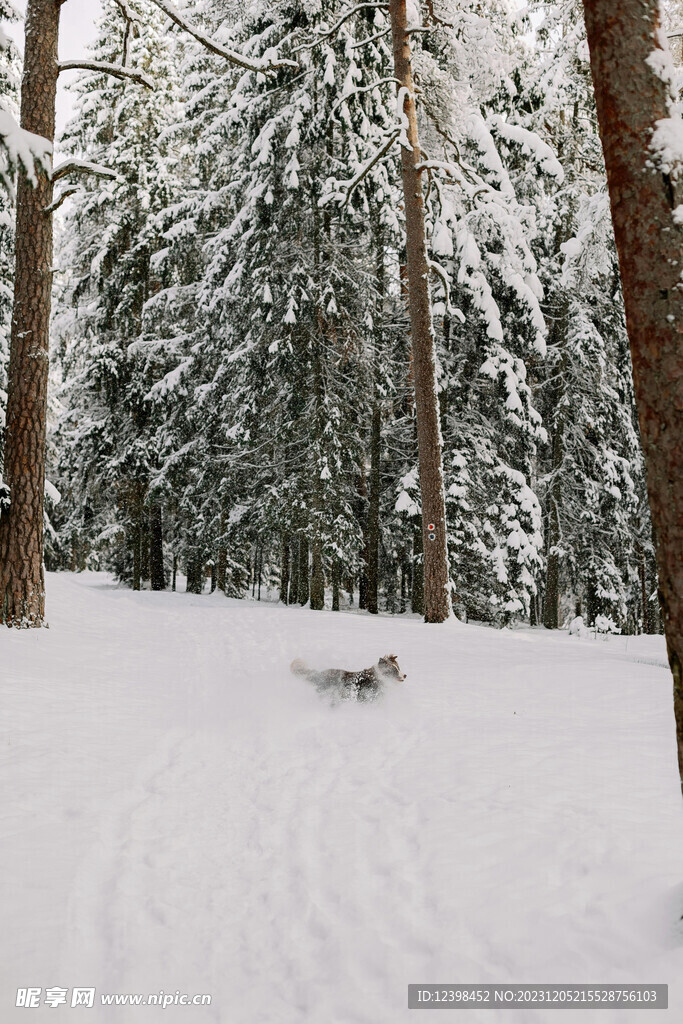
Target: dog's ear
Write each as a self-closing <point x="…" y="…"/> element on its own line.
<point x="392" y="657"/>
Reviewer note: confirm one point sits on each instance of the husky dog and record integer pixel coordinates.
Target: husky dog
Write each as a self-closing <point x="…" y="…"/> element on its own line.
<point x="363" y="685"/>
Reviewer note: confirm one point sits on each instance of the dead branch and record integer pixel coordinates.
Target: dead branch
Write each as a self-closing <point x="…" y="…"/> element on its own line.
<point x="103" y="68"/>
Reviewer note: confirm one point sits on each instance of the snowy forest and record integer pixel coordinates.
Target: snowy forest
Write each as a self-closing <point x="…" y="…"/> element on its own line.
<point x="330" y="329"/>
<point x="231" y="387"/>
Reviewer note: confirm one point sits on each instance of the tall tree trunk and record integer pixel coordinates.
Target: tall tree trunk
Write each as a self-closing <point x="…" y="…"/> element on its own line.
<point x="22" y="585"/>
<point x="317" y="568"/>
<point x="317" y="575"/>
<point x="372" y="596"/>
<point x="417" y="595"/>
<point x="284" y="568"/>
<point x="336" y="582"/>
<point x="642" y="571"/>
<point x="157" y="576"/>
<point x="551" y="599"/>
<point x="195" y="574"/>
<point x="294" y="582"/>
<point x="365" y="552"/>
<point x="372" y="592"/>
<point x="253" y="568"/>
<point x="626" y="47"/>
<point x="175" y="572"/>
<point x="302" y="583"/>
<point x="437" y="603"/>
<point x="136" y="511"/>
<point x="221" y="568"/>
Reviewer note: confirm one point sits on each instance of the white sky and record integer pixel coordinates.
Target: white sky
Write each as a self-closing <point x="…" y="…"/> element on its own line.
<point x="77" y="29"/>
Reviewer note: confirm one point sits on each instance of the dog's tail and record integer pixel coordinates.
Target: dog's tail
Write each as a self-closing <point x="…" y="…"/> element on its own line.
<point x="299" y="668"/>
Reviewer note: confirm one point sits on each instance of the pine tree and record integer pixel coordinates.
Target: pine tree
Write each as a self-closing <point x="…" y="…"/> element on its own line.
<point x="634" y="79"/>
<point x="109" y="441"/>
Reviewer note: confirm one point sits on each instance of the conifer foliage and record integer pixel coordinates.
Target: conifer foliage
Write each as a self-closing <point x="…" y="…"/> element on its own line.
<point x="237" y="342"/>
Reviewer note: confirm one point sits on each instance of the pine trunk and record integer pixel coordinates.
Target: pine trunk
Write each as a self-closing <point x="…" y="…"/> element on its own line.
<point x="336" y="581"/>
<point x="437" y="604"/>
<point x="372" y="591"/>
<point x="294" y="582"/>
<point x="22" y="585"/>
<point x="417" y="594"/>
<point x="317" y="575"/>
<point x="302" y="594"/>
<point x="642" y="567"/>
<point x="157" y="576"/>
<point x="221" y="568"/>
<point x="137" y="551"/>
<point x="195" y="575"/>
<point x="551" y="598"/>
<point x="284" y="569"/>
<point x="625" y="39"/>
<point x="365" y="552"/>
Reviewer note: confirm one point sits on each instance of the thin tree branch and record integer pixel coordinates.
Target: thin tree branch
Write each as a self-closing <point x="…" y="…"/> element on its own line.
<point x="338" y="24"/>
<point x="82" y="167"/>
<point x="353" y="183"/>
<point x="362" y="89"/>
<point x="115" y="70"/>
<point x="61" y="198"/>
<point x="435" y="17"/>
<point x="371" y="39"/>
<point x="262" y="67"/>
<point x="131" y="19"/>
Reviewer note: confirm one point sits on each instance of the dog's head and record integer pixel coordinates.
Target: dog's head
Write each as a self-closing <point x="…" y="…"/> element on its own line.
<point x="389" y="667"/>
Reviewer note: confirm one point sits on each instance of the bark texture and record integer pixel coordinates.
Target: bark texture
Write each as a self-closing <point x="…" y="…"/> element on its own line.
<point x="157" y="575"/>
<point x="284" y="568"/>
<point x="303" y="579"/>
<point x="372" y="591"/>
<point x="437" y="604"/>
<point x="623" y="36"/>
<point x="22" y="587"/>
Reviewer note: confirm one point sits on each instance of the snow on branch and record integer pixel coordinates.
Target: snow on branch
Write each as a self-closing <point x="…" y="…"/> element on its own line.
<point x="21" y="149"/>
<point x="127" y="12"/>
<point x="435" y="17"/>
<point x="131" y="19"/>
<point x="354" y="182"/>
<point x="371" y="39"/>
<point x="115" y="70"/>
<point x="361" y="89"/>
<point x="322" y="36"/>
<point x="264" y="67"/>
<point x="437" y="269"/>
<point x="82" y="167"/>
<point x="532" y="145"/>
<point x="61" y="198"/>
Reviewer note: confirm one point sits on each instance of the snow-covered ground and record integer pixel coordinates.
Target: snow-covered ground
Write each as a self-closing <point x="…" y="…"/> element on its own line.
<point x="180" y="813"/>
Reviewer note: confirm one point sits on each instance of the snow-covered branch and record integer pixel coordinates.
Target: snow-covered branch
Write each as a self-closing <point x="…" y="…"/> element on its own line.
<point x="435" y="17"/>
<point x="82" y="167"/>
<point x="354" y="182"/>
<point x="437" y="269"/>
<point x="104" y="68"/>
<point x="131" y="19"/>
<point x="264" y="67"/>
<point x="21" y="149"/>
<point x="322" y="36"/>
<point x="61" y="198"/>
<point x="371" y="39"/>
<point x="361" y="89"/>
<point x="127" y="12"/>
